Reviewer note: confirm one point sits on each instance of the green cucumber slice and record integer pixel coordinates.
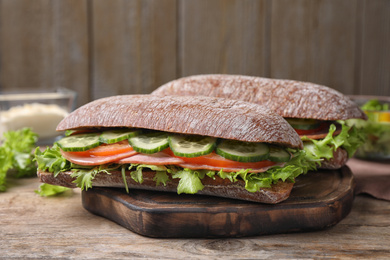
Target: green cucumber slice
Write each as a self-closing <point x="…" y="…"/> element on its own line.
<point x="149" y="142"/>
<point x="117" y="135"/>
<point x="242" y="151"/>
<point x="79" y="142"/>
<point x="191" y="145"/>
<point x="278" y="154"/>
<point x="303" y="124"/>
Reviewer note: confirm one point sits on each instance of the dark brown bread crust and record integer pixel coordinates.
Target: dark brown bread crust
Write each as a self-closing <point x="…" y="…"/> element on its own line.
<point x="217" y="117"/>
<point x="214" y="187"/>
<point x="288" y="98"/>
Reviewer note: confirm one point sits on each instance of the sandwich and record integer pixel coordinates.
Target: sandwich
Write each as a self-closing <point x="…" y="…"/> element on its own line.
<point x="191" y="145"/>
<point x="318" y="113"/>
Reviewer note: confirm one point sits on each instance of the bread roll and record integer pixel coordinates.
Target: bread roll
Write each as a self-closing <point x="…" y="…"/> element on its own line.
<point x="288" y="98"/>
<point x="216" y="117"/>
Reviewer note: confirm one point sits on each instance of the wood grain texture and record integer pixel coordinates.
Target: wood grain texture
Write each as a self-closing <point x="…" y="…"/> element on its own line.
<point x="133" y="46"/>
<point x="318" y="200"/>
<point x="44" y="45"/>
<point x="374" y="70"/>
<point x="102" y="48"/>
<point x="222" y="37"/>
<point x="59" y="228"/>
<point x="314" y="41"/>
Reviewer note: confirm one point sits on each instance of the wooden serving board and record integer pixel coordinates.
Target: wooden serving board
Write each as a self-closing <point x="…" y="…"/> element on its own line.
<point x="318" y="200"/>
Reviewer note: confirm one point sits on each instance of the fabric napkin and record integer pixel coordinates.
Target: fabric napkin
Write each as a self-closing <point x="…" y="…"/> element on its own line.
<point x="372" y="177"/>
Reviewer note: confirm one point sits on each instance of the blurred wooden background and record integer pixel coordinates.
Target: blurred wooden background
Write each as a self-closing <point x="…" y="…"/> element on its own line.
<point x="108" y="47"/>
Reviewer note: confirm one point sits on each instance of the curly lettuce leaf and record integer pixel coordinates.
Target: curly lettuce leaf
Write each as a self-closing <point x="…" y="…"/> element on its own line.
<point x="84" y="176"/>
<point x="51" y="160"/>
<point x="5" y="165"/>
<point x="137" y="174"/>
<point x="353" y="140"/>
<point x="299" y="164"/>
<point x="16" y="154"/>
<point x="190" y="181"/>
<point x="161" y="177"/>
<point x="48" y="190"/>
<point x="20" y="144"/>
<point x="350" y="138"/>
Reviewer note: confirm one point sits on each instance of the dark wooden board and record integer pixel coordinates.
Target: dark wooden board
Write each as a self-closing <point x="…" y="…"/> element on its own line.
<point x="318" y="200"/>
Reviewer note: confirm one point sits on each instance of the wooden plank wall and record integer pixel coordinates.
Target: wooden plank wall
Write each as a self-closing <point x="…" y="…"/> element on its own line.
<point x="101" y="48"/>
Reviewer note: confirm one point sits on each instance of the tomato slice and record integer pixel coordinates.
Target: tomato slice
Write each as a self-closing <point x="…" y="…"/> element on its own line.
<point x="216" y="160"/>
<point x="106" y="149"/>
<point x="312" y="131"/>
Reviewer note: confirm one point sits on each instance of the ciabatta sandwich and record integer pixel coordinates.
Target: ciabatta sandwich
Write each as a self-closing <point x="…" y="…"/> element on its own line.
<point x="316" y="112"/>
<point x="195" y="145"/>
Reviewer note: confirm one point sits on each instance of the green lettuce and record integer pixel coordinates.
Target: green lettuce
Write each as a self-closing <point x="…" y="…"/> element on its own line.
<point x="137" y="176"/>
<point x="350" y="138"/>
<point x="190" y="181"/>
<point x="5" y="165"/>
<point x="47" y="190"/>
<point x="299" y="164"/>
<point x="375" y="105"/>
<point x="378" y="137"/>
<point x="16" y="155"/>
<point x="84" y="175"/>
<point x="51" y="160"/>
<point x="161" y="177"/>
<point x="376" y="128"/>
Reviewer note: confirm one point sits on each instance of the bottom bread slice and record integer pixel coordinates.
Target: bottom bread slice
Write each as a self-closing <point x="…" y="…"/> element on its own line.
<point x="340" y="158"/>
<point x="212" y="186"/>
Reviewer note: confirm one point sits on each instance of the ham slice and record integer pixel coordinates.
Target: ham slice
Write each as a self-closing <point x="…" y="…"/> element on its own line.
<point x="152" y="159"/>
<point x="162" y="158"/>
<point x="213" y="168"/>
<point x="95" y="160"/>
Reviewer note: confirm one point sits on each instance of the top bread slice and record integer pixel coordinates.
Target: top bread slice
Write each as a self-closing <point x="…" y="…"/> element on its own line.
<point x="288" y="98"/>
<point x="209" y="116"/>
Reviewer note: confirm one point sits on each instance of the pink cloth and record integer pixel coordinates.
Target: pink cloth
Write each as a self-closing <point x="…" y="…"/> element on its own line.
<point x="372" y="177"/>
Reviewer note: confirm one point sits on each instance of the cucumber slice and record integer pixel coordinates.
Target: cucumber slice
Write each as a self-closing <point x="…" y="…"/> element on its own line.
<point x="117" y="135"/>
<point x="79" y="142"/>
<point x="278" y="154"/>
<point x="191" y="145"/>
<point x="303" y="124"/>
<point x="150" y="142"/>
<point x="243" y="151"/>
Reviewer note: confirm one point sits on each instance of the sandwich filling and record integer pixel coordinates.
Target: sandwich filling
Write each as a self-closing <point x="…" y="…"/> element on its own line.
<point x="189" y="158"/>
<point x="322" y="138"/>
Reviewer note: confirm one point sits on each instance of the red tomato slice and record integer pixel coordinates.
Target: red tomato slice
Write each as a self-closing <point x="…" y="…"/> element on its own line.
<point x="106" y="149"/>
<point x="216" y="160"/>
<point x="312" y="131"/>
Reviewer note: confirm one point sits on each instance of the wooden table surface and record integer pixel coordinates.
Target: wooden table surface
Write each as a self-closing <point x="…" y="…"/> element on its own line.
<point x="60" y="228"/>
